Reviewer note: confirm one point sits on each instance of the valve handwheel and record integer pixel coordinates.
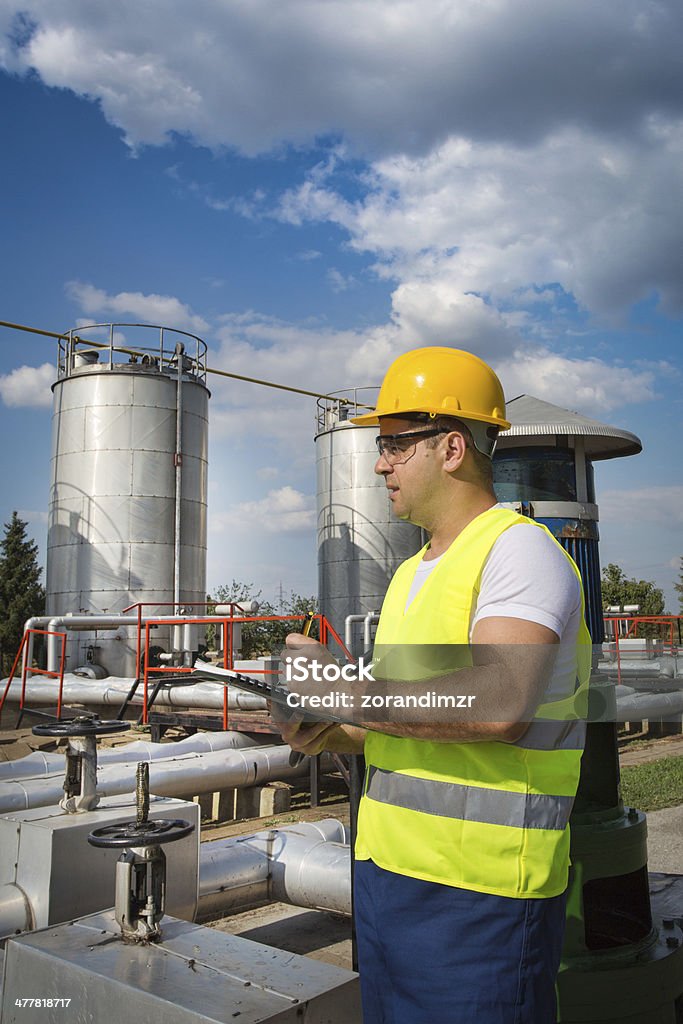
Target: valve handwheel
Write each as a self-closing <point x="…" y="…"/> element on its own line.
<point x="83" y="725"/>
<point x="145" y="833"/>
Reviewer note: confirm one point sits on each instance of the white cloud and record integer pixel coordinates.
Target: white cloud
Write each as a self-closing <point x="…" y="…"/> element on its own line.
<point x="285" y="510"/>
<point x="388" y="76"/>
<point x="165" y="310"/>
<point x="590" y="386"/>
<point x="576" y="208"/>
<point x="513" y="145"/>
<point x="28" y="386"/>
<point x="339" y="282"/>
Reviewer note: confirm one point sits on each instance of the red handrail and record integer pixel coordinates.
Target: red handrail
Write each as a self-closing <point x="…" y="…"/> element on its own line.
<point x="26" y="668"/>
<point x="631" y="624"/>
<point x="227" y="622"/>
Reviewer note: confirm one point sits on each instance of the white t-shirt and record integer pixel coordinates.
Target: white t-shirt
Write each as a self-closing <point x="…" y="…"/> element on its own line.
<point x="526" y="576"/>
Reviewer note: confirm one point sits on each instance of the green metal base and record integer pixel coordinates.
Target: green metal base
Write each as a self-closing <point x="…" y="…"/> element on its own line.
<point x="638" y="985"/>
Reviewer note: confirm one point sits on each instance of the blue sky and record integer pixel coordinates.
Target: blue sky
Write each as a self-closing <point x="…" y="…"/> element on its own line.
<point x="316" y="188"/>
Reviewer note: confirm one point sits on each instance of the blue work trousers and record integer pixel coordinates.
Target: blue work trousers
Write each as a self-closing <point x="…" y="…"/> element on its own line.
<point x="435" y="954"/>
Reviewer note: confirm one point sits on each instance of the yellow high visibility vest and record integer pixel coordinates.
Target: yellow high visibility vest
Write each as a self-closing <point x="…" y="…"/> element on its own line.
<point x="488" y="816"/>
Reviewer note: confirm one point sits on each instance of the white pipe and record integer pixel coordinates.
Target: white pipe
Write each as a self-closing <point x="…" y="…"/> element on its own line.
<point x="184" y="776"/>
<point x="368" y="621"/>
<point x="653" y="705"/>
<point x="348" y="630"/>
<point x="35" y="622"/>
<point x="178" y="460"/>
<point x="16" y="914"/>
<point x="39" y="763"/>
<point x="66" y="623"/>
<point x="306" y="865"/>
<point x="112" y="691"/>
<point x="664" y="667"/>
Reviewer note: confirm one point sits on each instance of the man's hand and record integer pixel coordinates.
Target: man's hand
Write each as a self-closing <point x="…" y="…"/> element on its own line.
<point x="299" y="646"/>
<point x="313" y="737"/>
<point x="305" y="738"/>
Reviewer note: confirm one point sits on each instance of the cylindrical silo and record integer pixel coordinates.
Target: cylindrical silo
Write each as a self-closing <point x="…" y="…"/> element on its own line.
<point x="360" y="541"/>
<point x="127" y="516"/>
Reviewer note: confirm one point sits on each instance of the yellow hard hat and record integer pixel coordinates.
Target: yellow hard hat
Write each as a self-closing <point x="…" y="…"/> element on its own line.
<point x="441" y="382"/>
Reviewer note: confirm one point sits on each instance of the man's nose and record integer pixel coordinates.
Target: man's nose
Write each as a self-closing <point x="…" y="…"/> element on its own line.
<point x="382" y="466"/>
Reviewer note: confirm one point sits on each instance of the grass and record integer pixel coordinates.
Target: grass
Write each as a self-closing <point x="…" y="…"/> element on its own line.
<point x="653" y="785"/>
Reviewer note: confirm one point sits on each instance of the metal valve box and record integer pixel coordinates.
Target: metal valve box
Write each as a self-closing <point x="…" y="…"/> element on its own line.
<point x="45" y="851"/>
<point x="84" y="972"/>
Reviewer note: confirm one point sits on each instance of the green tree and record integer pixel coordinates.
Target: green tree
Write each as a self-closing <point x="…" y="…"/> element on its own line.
<point x="618" y="589"/>
<point x="262" y="638"/>
<point x="678" y="587"/>
<point x="21" y="592"/>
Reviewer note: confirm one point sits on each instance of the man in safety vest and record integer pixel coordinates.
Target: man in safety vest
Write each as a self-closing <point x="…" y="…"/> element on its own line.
<point x="463" y="841"/>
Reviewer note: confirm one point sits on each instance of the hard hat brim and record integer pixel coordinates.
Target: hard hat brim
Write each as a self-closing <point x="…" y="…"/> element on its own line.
<point x="368" y="419"/>
<point x="371" y="419"/>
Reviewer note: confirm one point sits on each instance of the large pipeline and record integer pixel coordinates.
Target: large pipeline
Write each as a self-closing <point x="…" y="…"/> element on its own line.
<point x="113" y="691"/>
<point x="184" y="776"/>
<point x="39" y="763"/>
<point x="639" y="706"/>
<point x="307" y="865"/>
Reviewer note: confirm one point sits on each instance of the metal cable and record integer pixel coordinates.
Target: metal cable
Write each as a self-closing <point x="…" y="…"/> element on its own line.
<point x="209" y="369"/>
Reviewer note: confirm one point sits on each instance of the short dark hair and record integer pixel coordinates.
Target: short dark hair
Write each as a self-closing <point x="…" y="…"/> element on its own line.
<point x="483" y="463"/>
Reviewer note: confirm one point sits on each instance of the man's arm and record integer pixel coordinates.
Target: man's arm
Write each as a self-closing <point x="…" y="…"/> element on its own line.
<point x="513" y="660"/>
<point x="512" y="664"/>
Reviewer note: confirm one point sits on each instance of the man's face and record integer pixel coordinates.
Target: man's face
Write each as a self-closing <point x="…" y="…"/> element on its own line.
<point x="410" y="469"/>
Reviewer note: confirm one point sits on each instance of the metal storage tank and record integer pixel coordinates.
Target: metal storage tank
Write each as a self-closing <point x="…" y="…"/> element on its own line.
<point x="360" y="542"/>
<point x="127" y="515"/>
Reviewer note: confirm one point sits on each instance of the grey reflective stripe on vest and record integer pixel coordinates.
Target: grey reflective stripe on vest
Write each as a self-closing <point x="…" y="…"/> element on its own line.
<point x="547" y="735"/>
<point x="468" y="803"/>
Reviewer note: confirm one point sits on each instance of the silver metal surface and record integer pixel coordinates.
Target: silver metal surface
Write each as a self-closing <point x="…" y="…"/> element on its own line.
<point x="360" y="542"/>
<point x="533" y="418"/>
<point x="194" y="975"/>
<point x="308" y="865"/>
<point x="46" y="853"/>
<point x="15" y="910"/>
<point x="113" y="508"/>
<point x="178" y="459"/>
<point x="83" y="750"/>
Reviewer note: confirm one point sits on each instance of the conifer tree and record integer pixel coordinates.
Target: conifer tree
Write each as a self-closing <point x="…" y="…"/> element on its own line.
<point x="21" y="592"/>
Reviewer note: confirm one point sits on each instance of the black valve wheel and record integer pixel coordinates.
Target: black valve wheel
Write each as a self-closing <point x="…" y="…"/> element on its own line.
<point x="147" y="833"/>
<point x="84" y="725"/>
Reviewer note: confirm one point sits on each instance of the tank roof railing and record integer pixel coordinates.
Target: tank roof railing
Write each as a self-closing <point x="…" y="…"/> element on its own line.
<point x="343" y="405"/>
<point x="76" y="351"/>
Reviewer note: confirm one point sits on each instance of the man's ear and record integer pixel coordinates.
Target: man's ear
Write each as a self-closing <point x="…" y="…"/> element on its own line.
<point x="454" y="451"/>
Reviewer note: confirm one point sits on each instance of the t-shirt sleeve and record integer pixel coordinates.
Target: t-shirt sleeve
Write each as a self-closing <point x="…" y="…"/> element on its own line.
<point x="527" y="576"/>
